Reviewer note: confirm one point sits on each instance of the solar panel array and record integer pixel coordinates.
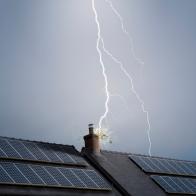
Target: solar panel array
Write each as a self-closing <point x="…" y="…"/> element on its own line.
<point x="180" y="185"/>
<point x="39" y="175"/>
<point x="179" y="176"/>
<point x="165" y="166"/>
<point x="18" y="149"/>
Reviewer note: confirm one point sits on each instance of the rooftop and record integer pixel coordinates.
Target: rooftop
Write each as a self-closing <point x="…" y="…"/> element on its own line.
<point x="41" y="168"/>
<point x="37" y="167"/>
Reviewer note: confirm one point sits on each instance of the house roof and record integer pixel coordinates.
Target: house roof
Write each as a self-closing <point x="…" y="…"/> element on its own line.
<point x="144" y="175"/>
<point x="40" y="168"/>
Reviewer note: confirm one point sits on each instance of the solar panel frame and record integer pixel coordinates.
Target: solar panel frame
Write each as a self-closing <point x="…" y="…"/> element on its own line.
<point x="164" y="166"/>
<point x="174" y="184"/>
<point x="65" y="158"/>
<point x="51" y="155"/>
<point x="50" y="176"/>
<point x="21" y="149"/>
<point x="44" y="175"/>
<point x="193" y="167"/>
<point x="185" y="168"/>
<point x="8" y="149"/>
<point x="58" y="176"/>
<point x="78" y="159"/>
<point x="164" y="184"/>
<point x="30" y="174"/>
<point x="85" y="178"/>
<point x="14" y="173"/>
<point x="192" y="184"/>
<point x="36" y="151"/>
<point x="72" y="177"/>
<point x="143" y="165"/>
<point x="2" y="153"/>
<point x="33" y="148"/>
<point x="4" y="176"/>
<point x="97" y="178"/>
<point x="182" y="185"/>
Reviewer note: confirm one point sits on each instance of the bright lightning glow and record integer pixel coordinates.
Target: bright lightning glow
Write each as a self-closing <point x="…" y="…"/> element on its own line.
<point x="100" y="40"/>
<point x="133" y="91"/>
<point x="103" y="67"/>
<point x="125" y="71"/>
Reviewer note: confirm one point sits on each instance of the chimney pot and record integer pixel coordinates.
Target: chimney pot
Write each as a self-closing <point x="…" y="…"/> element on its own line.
<point x="91" y="128"/>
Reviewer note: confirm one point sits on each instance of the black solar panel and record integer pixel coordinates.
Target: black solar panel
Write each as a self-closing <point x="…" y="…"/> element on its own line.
<point x="96" y="178"/>
<point x="75" y="181"/>
<point x="14" y="173"/>
<point x="65" y="157"/>
<point x="31" y="174"/>
<point x="51" y="155"/>
<point x="19" y="149"/>
<point x="4" y="177"/>
<point x="2" y="154"/>
<point x="58" y="176"/>
<point x="85" y="178"/>
<point x="35" y="151"/>
<point x="165" y="166"/>
<point x="180" y="185"/>
<point x="44" y="175"/>
<point x="8" y="150"/>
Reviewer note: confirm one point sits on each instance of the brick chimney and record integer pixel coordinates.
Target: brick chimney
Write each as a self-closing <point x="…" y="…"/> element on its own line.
<point x="92" y="141"/>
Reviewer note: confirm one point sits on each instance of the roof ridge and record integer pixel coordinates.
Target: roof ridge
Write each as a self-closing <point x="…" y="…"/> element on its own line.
<point x="42" y="142"/>
<point x="126" y="153"/>
<point x="114" y="151"/>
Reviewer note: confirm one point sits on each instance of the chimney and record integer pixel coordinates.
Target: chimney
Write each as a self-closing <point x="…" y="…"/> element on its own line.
<point x="92" y="141"/>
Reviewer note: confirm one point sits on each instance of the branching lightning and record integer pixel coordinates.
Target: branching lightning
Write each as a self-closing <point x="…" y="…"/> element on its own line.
<point x="133" y="91"/>
<point x="123" y="69"/>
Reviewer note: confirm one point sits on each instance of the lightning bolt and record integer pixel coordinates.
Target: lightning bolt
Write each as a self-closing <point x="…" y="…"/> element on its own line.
<point x="123" y="69"/>
<point x="133" y="90"/>
<point x="99" y="38"/>
<point x="138" y="60"/>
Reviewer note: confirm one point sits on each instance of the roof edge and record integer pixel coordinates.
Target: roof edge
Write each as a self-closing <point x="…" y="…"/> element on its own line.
<point x="127" y="154"/>
<point x="27" y="140"/>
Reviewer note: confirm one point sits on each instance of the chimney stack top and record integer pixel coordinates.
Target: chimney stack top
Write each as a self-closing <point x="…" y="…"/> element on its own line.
<point x="92" y="141"/>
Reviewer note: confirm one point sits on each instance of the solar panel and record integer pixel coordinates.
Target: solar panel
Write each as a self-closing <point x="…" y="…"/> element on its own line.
<point x="64" y="157"/>
<point x="179" y="185"/>
<point x="31" y="174"/>
<point x="165" y="166"/>
<point x="14" y="173"/>
<point x="21" y="149"/>
<point x="8" y="150"/>
<point x="96" y="178"/>
<point x="44" y="175"/>
<point x="49" y="153"/>
<point x="34" y="151"/>
<point x="4" y="177"/>
<point x="2" y="154"/>
<point x="75" y="181"/>
<point x="58" y="176"/>
<point x="85" y="178"/>
<point x="78" y="159"/>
